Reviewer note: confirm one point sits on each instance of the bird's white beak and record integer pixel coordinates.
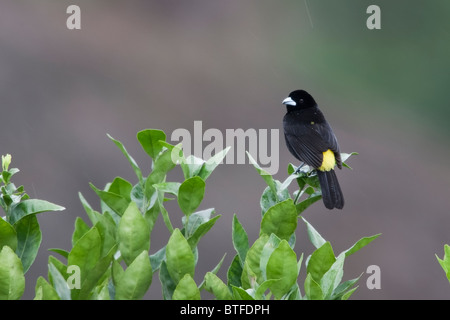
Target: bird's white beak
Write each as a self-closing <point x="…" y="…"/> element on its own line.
<point x="288" y="101"/>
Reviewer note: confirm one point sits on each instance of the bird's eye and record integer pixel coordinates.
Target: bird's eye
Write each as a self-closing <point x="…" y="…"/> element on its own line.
<point x="301" y="101"/>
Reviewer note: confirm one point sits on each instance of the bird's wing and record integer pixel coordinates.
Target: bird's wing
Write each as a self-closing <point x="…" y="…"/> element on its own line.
<point x="309" y="143"/>
<point x="326" y="133"/>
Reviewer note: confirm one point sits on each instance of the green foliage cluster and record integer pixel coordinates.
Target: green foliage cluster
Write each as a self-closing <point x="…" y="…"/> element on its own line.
<point x="20" y="235"/>
<point x="112" y="257"/>
<point x="270" y="267"/>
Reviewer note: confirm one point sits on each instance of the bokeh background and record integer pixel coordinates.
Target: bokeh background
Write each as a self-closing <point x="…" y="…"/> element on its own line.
<point x="164" y="64"/>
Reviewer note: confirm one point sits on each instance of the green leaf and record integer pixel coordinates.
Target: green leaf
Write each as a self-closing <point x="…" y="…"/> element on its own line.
<point x="320" y="261"/>
<point x="133" y="234"/>
<point x="186" y="289"/>
<point x="234" y="272"/>
<point x="215" y="270"/>
<point x="196" y="220"/>
<point x="135" y="281"/>
<point x="280" y="219"/>
<point x="95" y="274"/>
<point x="168" y="285"/>
<point x="31" y="206"/>
<point x="267" y="251"/>
<point x="61" y="252"/>
<point x="179" y="257"/>
<point x="168" y="187"/>
<point x="269" y="198"/>
<point x="251" y="272"/>
<point x="44" y="291"/>
<point x="200" y="231"/>
<point x="303" y="205"/>
<point x="190" y="194"/>
<point x="157" y="258"/>
<point x="29" y="239"/>
<point x="282" y="266"/>
<point x="216" y="286"/>
<point x="259" y="293"/>
<point x="130" y="159"/>
<point x="191" y="166"/>
<point x="6" y="161"/>
<point x="240" y="239"/>
<point x="241" y="294"/>
<point x="59" y="282"/>
<point x="92" y="214"/>
<point x="80" y="229"/>
<point x="445" y="262"/>
<point x="345" y="156"/>
<point x="149" y="140"/>
<point x="331" y="279"/>
<point x="347" y="295"/>
<point x="316" y="239"/>
<point x="8" y="235"/>
<point x="116" y="202"/>
<point x="12" y="280"/>
<point x="121" y="187"/>
<point x="341" y="289"/>
<point x="210" y="164"/>
<point x="312" y="289"/>
<point x="360" y="244"/>
<point x="264" y="174"/>
<point x="85" y="254"/>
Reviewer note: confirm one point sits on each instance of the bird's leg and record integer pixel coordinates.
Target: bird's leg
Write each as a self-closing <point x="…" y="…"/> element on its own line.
<point x="298" y="169"/>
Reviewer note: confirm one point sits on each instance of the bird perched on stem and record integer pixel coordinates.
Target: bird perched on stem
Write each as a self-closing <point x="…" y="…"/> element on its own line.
<point x="311" y="140"/>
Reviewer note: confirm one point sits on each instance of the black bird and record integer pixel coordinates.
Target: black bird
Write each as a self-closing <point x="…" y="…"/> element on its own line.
<point x="311" y="140"/>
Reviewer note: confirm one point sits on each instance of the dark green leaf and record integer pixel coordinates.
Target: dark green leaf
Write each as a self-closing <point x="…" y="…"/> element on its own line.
<point x="360" y="244"/>
<point x="316" y="239"/>
<point x="8" y="236"/>
<point x="44" y="291"/>
<point x="149" y="140"/>
<point x="200" y="231"/>
<point x="251" y="272"/>
<point x="121" y="187"/>
<point x="212" y="163"/>
<point x="186" y="289"/>
<point x="12" y="280"/>
<point x="234" y="272"/>
<point x="280" y="219"/>
<point x="133" y="234"/>
<point x="29" y="239"/>
<point x="320" y="261"/>
<point x="115" y="201"/>
<point x="59" y="283"/>
<point x="167" y="283"/>
<point x="135" y="281"/>
<point x="240" y="239"/>
<point x="282" y="266"/>
<point x="312" y="289"/>
<point x="190" y="194"/>
<point x="179" y="257"/>
<point x="80" y="229"/>
<point x="216" y="286"/>
<point x="31" y="206"/>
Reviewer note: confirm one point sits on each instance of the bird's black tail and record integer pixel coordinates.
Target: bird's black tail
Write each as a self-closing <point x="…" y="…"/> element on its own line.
<point x="331" y="191"/>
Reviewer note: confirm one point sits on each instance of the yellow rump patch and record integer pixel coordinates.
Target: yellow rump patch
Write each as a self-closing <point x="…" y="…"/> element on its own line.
<point x="329" y="161"/>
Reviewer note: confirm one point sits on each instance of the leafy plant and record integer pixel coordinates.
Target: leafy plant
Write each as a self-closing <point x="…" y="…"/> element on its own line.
<point x="270" y="267"/>
<point x="445" y="261"/>
<point x="20" y="234"/>
<point x="113" y="257"/>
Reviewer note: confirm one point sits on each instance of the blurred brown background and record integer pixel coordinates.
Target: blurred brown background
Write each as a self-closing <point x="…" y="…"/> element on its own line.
<point x="164" y="64"/>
